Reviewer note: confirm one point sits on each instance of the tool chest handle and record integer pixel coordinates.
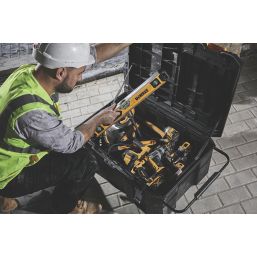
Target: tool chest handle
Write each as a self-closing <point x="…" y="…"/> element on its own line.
<point x="205" y="186"/>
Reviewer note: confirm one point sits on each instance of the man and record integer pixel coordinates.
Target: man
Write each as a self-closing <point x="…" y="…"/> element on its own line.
<point x="36" y="149"/>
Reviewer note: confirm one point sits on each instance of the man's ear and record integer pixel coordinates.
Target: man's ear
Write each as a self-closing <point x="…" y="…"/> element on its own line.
<point x="61" y="73"/>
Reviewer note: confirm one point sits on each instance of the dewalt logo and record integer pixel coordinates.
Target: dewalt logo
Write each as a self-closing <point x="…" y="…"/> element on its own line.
<point x="141" y="94"/>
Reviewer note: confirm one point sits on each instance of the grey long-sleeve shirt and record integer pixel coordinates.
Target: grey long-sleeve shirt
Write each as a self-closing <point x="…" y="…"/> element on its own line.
<point x="48" y="131"/>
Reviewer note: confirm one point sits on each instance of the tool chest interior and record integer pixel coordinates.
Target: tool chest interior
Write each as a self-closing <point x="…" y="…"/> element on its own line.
<point x="194" y="102"/>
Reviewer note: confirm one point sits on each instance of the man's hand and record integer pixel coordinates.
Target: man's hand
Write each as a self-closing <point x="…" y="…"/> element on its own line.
<point x="107" y="51"/>
<point x="106" y="116"/>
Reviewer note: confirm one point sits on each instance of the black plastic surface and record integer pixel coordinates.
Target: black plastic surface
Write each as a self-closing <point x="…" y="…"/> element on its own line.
<point x="201" y="85"/>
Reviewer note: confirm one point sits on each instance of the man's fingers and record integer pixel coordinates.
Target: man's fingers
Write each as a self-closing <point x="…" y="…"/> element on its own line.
<point x="112" y="107"/>
<point x="116" y="114"/>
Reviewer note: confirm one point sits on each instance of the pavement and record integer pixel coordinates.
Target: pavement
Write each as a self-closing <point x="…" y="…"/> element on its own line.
<point x="236" y="189"/>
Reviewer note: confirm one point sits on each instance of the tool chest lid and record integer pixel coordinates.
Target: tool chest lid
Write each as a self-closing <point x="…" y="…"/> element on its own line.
<point x="201" y="83"/>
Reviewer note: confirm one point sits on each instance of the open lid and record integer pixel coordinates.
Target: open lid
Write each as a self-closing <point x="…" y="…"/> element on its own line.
<point x="202" y="82"/>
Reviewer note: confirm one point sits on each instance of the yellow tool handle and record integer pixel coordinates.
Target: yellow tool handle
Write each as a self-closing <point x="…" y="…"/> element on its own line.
<point x="155" y="128"/>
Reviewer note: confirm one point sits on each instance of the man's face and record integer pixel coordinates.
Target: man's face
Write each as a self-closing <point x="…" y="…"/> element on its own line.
<point x="73" y="75"/>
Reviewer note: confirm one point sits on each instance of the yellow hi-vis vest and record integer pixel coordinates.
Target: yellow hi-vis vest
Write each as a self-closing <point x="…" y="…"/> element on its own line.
<point x="20" y="93"/>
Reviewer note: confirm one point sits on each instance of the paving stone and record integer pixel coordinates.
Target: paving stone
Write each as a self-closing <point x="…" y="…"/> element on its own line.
<point x="240" y="116"/>
<point x="100" y="179"/>
<point x="64" y="107"/>
<point x="88" y="92"/>
<point x="243" y="79"/>
<point x="254" y="111"/>
<point x="127" y="209"/>
<point x="250" y="135"/>
<point x="228" y="142"/>
<point x="114" y="93"/>
<point x="228" y="122"/>
<point x="91" y="108"/>
<point x="204" y="179"/>
<point x="112" y="78"/>
<point x="249" y="63"/>
<point x="67" y="122"/>
<point x="255" y="171"/>
<point x="181" y="203"/>
<point x="190" y="193"/>
<point x="245" y="96"/>
<point x="90" y="84"/>
<point x="140" y="211"/>
<point x="241" y="178"/>
<point x="246" y="104"/>
<point x="99" y="82"/>
<point x="109" y="88"/>
<point x="246" y="162"/>
<point x="249" y="94"/>
<point x="250" y="84"/>
<point x="78" y="89"/>
<point x="235" y="195"/>
<point x="67" y="98"/>
<point x="212" y="162"/>
<point x="205" y="205"/>
<point x="233" y="209"/>
<point x="240" y="88"/>
<point x="233" y="153"/>
<point x="109" y="189"/>
<point x="71" y="114"/>
<point x="79" y="103"/>
<point x="250" y="206"/>
<point x="123" y="200"/>
<point x="252" y="123"/>
<point x="236" y="98"/>
<point x="78" y="120"/>
<point x="232" y="109"/>
<point x="100" y="98"/>
<point x="228" y="170"/>
<point x="249" y="66"/>
<point x="253" y="188"/>
<point x="219" y="185"/>
<point x="106" y="102"/>
<point x="253" y="76"/>
<point x="235" y="128"/>
<point x="248" y="148"/>
<point x="113" y="201"/>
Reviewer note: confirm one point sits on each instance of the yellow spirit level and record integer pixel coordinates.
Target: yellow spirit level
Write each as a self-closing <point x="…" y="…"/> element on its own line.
<point x="135" y="98"/>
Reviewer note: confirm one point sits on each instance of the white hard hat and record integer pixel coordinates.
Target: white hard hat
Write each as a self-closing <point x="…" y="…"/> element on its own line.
<point x="57" y="55"/>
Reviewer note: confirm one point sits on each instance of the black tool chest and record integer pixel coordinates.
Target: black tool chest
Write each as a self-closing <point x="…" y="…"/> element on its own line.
<point x="195" y="101"/>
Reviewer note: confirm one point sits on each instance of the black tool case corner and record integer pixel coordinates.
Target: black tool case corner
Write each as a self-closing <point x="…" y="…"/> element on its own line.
<point x="195" y="101"/>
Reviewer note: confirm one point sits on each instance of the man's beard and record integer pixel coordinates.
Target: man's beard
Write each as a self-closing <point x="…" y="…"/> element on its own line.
<point x="63" y="88"/>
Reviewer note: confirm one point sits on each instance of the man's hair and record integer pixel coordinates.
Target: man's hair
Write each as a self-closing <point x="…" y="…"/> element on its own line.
<point x="50" y="72"/>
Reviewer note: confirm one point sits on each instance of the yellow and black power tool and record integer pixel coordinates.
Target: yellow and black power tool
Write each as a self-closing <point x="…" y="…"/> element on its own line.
<point x="169" y="136"/>
<point x="146" y="162"/>
<point x="145" y="159"/>
<point x="181" y="153"/>
<point x="135" y="98"/>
